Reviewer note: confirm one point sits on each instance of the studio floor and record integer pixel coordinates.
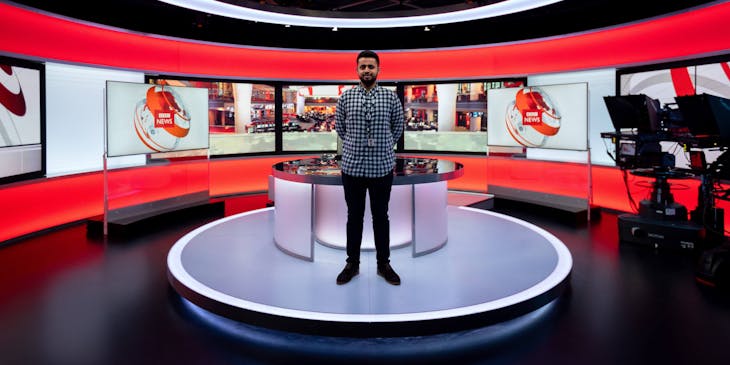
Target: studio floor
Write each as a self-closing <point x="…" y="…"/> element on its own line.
<point x="66" y="298"/>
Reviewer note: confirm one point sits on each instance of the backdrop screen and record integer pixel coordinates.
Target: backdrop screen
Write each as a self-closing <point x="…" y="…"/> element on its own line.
<point x="21" y="119"/>
<point x="552" y="116"/>
<point x="146" y="118"/>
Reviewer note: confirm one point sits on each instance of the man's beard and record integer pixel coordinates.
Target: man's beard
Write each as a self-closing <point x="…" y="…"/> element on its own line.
<point x="368" y="83"/>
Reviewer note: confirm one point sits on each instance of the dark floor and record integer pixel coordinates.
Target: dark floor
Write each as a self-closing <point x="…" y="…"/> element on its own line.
<point x="69" y="299"/>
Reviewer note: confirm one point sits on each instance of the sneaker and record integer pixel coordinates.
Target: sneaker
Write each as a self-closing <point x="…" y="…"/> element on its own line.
<point x="348" y="273"/>
<point x="388" y="274"/>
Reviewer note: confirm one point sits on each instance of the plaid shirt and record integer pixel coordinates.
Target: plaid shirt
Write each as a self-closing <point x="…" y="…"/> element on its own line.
<point x="362" y="116"/>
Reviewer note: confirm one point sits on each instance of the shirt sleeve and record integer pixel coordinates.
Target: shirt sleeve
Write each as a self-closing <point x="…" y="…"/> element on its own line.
<point x="398" y="119"/>
<point x="340" y="117"/>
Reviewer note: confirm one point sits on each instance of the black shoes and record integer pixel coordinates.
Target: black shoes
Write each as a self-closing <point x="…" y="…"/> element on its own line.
<point x="388" y="274"/>
<point x="351" y="270"/>
<point x="348" y="273"/>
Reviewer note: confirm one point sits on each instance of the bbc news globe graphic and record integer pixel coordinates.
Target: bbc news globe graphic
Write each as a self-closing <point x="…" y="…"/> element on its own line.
<point x="532" y="118"/>
<point x="12" y="104"/>
<point x="161" y="120"/>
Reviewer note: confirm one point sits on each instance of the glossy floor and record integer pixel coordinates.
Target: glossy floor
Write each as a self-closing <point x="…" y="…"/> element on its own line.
<point x="69" y="299"/>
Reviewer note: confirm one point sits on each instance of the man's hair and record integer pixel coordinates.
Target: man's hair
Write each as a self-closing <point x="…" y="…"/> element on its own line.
<point x="368" y="54"/>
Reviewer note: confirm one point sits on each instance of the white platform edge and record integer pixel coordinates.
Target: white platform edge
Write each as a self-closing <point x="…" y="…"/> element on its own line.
<point x="559" y="274"/>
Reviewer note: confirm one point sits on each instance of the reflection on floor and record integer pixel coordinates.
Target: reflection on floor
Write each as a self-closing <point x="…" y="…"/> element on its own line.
<point x="68" y="299"/>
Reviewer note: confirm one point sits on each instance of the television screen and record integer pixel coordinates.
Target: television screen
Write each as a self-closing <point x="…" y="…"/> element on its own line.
<point x="449" y="116"/>
<point x="21" y="119"/>
<point x="241" y="115"/>
<point x="552" y="116"/>
<point x="146" y="118"/>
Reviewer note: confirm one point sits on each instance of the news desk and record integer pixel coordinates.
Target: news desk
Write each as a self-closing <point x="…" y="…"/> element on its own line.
<point x="310" y="205"/>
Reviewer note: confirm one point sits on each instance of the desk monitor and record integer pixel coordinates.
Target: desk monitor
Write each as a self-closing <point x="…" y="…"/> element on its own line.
<point x="638" y="112"/>
<point x="706" y="115"/>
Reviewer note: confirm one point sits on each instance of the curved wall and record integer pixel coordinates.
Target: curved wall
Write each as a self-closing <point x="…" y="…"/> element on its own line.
<point x="697" y="33"/>
<point x="35" y="205"/>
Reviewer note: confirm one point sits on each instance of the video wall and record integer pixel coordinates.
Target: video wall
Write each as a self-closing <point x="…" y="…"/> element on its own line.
<point x="22" y="119"/>
<point x="450" y="116"/>
<point x="242" y="117"/>
<point x="665" y="83"/>
<point x="662" y="84"/>
<point x="308" y="122"/>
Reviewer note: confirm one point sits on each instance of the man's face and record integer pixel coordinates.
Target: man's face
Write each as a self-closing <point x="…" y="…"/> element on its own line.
<point x="367" y="70"/>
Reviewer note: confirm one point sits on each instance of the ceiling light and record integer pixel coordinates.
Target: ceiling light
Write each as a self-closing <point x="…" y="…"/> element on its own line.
<point x="426" y="29"/>
<point x="334" y="29"/>
<point x="240" y="12"/>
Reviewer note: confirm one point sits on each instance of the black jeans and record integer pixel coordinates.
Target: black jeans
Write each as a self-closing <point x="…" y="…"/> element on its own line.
<point x="355" y="190"/>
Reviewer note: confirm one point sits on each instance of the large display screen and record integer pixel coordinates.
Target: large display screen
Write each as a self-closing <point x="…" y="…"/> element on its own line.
<point x="21" y="119"/>
<point x="665" y="84"/>
<point x="241" y="115"/>
<point x="450" y="116"/>
<point x="145" y="118"/>
<point x="552" y="116"/>
<point x="309" y="116"/>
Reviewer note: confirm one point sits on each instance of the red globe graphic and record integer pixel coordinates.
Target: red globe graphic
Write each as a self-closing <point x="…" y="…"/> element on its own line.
<point x="12" y="105"/>
<point x="531" y="118"/>
<point x="161" y="120"/>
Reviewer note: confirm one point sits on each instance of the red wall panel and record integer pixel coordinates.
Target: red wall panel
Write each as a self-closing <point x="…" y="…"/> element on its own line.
<point x="39" y="204"/>
<point x="691" y="34"/>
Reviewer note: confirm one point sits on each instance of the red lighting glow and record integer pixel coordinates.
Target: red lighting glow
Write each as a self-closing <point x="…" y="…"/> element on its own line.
<point x="700" y="32"/>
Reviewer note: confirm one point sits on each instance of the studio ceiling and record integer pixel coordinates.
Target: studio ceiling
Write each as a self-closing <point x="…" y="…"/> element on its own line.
<point x="159" y="18"/>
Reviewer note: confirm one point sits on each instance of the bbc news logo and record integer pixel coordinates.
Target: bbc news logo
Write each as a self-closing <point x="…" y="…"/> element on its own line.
<point x="531" y="117"/>
<point x="164" y="120"/>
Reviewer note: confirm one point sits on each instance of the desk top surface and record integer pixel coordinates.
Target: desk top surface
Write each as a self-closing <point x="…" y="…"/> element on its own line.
<point x="325" y="170"/>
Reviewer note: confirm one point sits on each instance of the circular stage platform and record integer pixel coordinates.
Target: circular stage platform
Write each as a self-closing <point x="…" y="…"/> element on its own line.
<point x="493" y="268"/>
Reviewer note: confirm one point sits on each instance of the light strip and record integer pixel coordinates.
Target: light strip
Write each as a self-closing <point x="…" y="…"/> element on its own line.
<point x="239" y="12"/>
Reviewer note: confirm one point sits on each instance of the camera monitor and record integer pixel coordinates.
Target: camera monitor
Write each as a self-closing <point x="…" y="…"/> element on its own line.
<point x="706" y="115"/>
<point x="638" y="112"/>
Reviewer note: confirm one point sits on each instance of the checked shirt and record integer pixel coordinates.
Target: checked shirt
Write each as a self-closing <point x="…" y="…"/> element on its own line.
<point x="369" y="124"/>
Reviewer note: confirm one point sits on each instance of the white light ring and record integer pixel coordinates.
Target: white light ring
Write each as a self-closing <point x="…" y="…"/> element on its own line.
<point x="559" y="274"/>
<point x="239" y="12"/>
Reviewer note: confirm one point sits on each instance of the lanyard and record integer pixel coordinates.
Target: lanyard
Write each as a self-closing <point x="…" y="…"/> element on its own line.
<point x="369" y="106"/>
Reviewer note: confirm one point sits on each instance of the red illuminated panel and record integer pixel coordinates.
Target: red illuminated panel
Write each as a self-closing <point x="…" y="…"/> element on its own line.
<point x="134" y="186"/>
<point x="46" y="203"/>
<point x="609" y="189"/>
<point x="233" y="176"/>
<point x="559" y="178"/>
<point x="690" y="34"/>
<point x="475" y="172"/>
<point x="39" y="204"/>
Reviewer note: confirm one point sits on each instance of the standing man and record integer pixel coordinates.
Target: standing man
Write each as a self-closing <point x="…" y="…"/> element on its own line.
<point x="369" y="120"/>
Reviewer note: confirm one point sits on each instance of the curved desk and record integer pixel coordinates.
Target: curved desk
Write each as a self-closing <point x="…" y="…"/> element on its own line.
<point x="310" y="205"/>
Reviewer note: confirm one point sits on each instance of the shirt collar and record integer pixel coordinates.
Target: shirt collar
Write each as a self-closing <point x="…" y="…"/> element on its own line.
<point x="363" y="90"/>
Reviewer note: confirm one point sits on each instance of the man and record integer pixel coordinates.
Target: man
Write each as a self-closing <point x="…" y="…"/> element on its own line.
<point x="369" y="120"/>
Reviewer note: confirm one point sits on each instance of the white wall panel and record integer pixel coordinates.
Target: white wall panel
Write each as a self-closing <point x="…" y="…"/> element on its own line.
<point x="75" y="117"/>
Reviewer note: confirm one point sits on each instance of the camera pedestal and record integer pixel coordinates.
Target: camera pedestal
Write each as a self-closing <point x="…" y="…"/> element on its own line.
<point x="662" y="222"/>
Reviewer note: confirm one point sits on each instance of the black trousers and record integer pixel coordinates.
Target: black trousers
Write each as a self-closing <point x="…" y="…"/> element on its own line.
<point x="355" y="192"/>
